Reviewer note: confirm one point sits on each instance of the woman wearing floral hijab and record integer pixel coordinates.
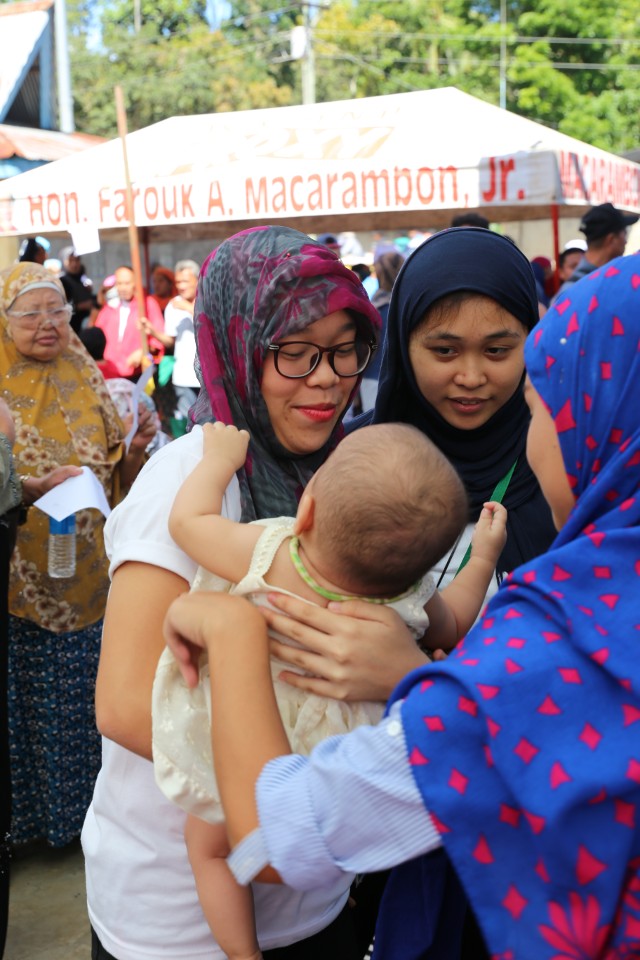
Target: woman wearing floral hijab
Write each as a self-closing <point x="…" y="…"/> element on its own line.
<point x="62" y="415"/>
<point x="261" y="291"/>
<point x="519" y="754"/>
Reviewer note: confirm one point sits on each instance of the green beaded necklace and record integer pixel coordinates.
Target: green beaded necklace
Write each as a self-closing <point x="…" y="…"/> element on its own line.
<point x="294" y="553"/>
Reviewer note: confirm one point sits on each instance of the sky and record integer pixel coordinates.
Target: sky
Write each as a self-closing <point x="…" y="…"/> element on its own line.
<point x="217" y="10"/>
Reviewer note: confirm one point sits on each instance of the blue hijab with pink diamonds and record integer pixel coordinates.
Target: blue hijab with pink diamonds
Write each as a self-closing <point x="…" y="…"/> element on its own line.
<point x="525" y="744"/>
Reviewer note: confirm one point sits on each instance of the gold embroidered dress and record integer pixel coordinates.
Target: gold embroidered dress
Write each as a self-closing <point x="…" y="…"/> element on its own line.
<point x="63" y="415"/>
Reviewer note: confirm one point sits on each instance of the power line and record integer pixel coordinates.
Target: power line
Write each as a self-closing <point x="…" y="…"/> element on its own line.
<point x="359" y="33"/>
<point x="477" y="62"/>
<point x="132" y="81"/>
<point x="241" y="46"/>
<point x="475" y="38"/>
<point x="282" y="39"/>
<point x="168" y="78"/>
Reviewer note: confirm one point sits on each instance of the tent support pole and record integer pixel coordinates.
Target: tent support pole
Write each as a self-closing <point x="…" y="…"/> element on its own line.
<point x="134" y="246"/>
<point x="145" y="250"/>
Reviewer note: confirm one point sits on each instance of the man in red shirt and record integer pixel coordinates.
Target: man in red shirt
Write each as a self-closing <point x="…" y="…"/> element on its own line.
<point x="119" y="321"/>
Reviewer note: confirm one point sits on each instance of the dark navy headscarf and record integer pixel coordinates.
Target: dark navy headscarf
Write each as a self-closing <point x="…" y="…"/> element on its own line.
<point x="479" y="261"/>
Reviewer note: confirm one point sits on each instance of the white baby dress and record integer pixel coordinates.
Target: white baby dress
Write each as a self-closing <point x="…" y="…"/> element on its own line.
<point x="182" y="754"/>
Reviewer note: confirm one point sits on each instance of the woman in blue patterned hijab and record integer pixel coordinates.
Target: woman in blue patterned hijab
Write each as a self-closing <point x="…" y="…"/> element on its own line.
<point x="535" y="778"/>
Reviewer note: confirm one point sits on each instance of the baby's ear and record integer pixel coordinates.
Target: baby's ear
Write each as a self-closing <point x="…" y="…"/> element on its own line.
<point x="305" y="514"/>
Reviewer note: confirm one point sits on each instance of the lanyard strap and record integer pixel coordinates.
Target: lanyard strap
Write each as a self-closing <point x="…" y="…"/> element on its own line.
<point x="497" y="496"/>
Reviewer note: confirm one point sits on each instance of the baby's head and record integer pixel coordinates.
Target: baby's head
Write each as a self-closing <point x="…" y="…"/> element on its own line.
<point x="387" y="505"/>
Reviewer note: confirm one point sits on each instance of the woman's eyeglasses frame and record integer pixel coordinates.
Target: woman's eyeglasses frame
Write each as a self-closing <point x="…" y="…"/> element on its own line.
<point x="275" y="348"/>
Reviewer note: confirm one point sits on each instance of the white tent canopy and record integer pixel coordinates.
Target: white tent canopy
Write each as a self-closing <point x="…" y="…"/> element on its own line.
<point x="404" y="160"/>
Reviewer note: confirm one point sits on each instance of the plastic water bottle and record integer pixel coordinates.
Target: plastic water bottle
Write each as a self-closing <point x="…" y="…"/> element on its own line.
<point x="62" y="547"/>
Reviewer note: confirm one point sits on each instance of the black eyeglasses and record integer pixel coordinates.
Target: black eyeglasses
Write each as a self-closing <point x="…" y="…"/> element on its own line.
<point x="298" y="358"/>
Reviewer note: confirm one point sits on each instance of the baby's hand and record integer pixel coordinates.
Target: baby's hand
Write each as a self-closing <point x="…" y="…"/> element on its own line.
<point x="227" y="442"/>
<point x="490" y="534"/>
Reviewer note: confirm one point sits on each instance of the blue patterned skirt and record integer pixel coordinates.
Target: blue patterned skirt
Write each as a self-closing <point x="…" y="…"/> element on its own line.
<point x="54" y="745"/>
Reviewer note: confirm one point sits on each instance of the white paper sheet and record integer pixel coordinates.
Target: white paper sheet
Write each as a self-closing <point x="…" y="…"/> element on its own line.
<point x="76" y="493"/>
<point x="85" y="238"/>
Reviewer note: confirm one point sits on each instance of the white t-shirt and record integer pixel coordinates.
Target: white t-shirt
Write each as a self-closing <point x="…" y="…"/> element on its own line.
<point x="141" y="895"/>
<point x="178" y="323"/>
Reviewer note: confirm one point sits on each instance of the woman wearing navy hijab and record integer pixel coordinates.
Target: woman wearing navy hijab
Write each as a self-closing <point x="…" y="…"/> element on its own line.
<point x="452" y="366"/>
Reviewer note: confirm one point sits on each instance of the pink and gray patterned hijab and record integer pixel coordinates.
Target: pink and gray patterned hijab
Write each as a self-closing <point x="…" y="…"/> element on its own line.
<point x="258" y="286"/>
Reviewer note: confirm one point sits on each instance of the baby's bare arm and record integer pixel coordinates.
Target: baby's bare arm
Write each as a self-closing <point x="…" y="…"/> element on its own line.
<point x="454" y="610"/>
<point x="234" y="635"/>
<point x="220" y="545"/>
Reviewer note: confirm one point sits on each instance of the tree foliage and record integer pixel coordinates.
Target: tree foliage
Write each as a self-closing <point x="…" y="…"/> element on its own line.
<point x="573" y="67"/>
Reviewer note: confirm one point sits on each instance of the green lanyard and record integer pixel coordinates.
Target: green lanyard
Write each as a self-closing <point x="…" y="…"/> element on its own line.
<point x="497" y="495"/>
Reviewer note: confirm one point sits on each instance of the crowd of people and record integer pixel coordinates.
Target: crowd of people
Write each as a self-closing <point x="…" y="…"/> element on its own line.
<point x="369" y="454"/>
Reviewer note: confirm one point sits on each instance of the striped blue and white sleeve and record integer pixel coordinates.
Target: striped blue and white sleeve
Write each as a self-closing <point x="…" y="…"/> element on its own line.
<point x="352" y="806"/>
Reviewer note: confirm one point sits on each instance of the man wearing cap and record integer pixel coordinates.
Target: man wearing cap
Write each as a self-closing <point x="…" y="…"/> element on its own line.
<point x="77" y="286"/>
<point x="605" y="230"/>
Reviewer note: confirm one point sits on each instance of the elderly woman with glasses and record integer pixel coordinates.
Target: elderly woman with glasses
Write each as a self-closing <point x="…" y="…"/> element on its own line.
<point x="283" y="331"/>
<point x="63" y="419"/>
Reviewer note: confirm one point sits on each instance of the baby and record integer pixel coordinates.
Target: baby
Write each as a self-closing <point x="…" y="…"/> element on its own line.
<point x="374" y="519"/>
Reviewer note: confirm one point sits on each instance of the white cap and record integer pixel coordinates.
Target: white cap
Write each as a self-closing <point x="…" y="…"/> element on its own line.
<point x="578" y="244"/>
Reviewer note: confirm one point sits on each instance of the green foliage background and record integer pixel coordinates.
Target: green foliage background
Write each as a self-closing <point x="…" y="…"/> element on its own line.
<point x="574" y="67"/>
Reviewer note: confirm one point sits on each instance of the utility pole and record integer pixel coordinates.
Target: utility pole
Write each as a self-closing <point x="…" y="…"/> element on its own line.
<point x="137" y="16"/>
<point x="302" y="49"/>
<point x="308" y="65"/>
<point x="503" y="54"/>
<point x="63" y="73"/>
